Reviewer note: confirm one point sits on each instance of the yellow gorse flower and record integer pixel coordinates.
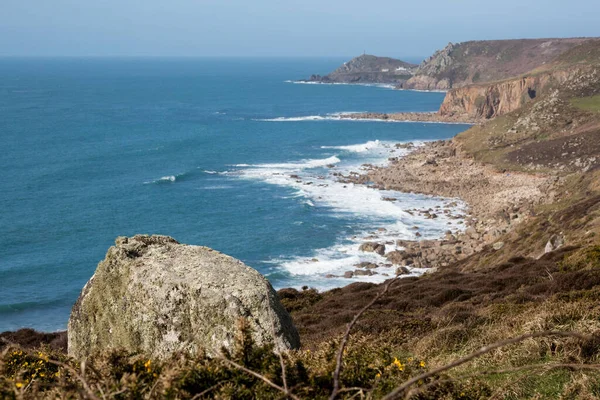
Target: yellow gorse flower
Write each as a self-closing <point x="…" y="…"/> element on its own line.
<point x="398" y="364"/>
<point x="422" y="364"/>
<point x="19" y="385"/>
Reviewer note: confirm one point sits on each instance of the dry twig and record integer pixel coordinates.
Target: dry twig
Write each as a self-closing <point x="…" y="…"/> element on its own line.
<point x="344" y="342"/>
<point x="210" y="389"/>
<point x="259" y="376"/>
<point x="278" y="352"/>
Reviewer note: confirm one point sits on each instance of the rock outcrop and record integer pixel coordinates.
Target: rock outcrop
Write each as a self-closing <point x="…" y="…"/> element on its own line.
<point x="369" y="69"/>
<point x="372" y="247"/>
<point x="494" y="99"/>
<point x="155" y="296"/>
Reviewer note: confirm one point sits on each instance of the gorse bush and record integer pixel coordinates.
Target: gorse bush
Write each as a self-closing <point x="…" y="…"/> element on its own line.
<point x="370" y="370"/>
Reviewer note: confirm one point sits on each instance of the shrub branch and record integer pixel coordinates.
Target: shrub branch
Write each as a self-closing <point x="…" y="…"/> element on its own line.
<point x="259" y="376"/>
<point x="344" y="342"/>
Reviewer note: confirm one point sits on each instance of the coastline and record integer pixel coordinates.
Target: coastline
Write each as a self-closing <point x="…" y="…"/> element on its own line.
<point x="388" y="85"/>
<point x="429" y="117"/>
<point x="438" y="168"/>
<point x="497" y="201"/>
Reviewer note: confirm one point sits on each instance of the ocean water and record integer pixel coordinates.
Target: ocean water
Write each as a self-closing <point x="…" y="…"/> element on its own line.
<point x="199" y="149"/>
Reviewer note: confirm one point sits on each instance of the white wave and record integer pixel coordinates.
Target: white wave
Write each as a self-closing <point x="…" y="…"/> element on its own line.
<point x="325" y="268"/>
<point x="379" y="85"/>
<point x="328" y="117"/>
<point x="340" y="113"/>
<point x="397" y="121"/>
<point x="295" y="119"/>
<point x="424" y="91"/>
<point x="210" y="172"/>
<point x="362" y="147"/>
<point x="163" y="179"/>
<point x="339" y="116"/>
<point x="343" y="198"/>
<point x="304" y="164"/>
<point x="365" y="206"/>
<point x="217" y="187"/>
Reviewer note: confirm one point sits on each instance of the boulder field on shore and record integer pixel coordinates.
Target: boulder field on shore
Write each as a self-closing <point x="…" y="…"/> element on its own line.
<point x="155" y="296"/>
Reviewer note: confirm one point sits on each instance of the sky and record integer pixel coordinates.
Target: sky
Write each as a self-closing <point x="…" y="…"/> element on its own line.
<point x="268" y="28"/>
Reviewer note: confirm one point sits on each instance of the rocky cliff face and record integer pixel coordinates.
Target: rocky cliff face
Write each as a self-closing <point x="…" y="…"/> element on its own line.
<point x="494" y="99"/>
<point x="476" y="62"/>
<point x="369" y="69"/>
<point x="154" y="296"/>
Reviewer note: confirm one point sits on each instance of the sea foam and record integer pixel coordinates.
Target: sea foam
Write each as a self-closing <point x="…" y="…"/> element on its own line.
<point x="163" y="179"/>
<point x="376" y="217"/>
<point x="379" y="85"/>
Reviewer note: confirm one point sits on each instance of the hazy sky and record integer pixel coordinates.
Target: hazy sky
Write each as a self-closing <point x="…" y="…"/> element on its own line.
<point x="279" y="27"/>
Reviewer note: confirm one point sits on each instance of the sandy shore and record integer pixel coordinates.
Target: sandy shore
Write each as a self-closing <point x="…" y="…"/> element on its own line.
<point x="497" y="201"/>
<point x="410" y="117"/>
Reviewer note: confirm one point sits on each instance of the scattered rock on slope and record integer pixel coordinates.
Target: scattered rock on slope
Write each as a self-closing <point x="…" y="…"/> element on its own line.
<point x="156" y="296"/>
<point x="554" y="243"/>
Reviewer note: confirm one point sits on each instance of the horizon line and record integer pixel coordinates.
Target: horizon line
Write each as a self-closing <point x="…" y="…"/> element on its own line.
<point x="189" y="56"/>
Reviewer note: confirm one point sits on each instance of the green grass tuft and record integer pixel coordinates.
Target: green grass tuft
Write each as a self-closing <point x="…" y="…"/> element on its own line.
<point x="587" y="103"/>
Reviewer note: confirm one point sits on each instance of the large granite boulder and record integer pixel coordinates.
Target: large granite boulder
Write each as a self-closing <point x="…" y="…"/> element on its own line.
<point x="155" y="296"/>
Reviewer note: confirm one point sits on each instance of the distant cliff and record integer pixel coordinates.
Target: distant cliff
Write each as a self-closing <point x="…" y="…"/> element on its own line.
<point x="477" y="62"/>
<point x="492" y="99"/>
<point x="369" y="69"/>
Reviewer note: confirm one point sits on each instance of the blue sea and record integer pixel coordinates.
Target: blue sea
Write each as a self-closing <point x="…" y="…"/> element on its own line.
<point x="225" y="153"/>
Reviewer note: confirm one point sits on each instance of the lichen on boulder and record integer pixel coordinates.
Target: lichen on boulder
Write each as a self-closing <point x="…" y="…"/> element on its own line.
<point x="155" y="296"/>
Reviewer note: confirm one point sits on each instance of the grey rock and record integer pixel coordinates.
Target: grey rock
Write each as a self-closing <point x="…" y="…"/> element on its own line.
<point x="498" y="245"/>
<point x="554" y="243"/>
<point x="154" y="296"/>
<point x="396" y="257"/>
<point x="367" y="265"/>
<point x="402" y="271"/>
<point x="372" y="247"/>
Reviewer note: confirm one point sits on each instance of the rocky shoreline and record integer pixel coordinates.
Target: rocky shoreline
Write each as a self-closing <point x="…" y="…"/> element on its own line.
<point x="497" y="201"/>
<point x="432" y="117"/>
